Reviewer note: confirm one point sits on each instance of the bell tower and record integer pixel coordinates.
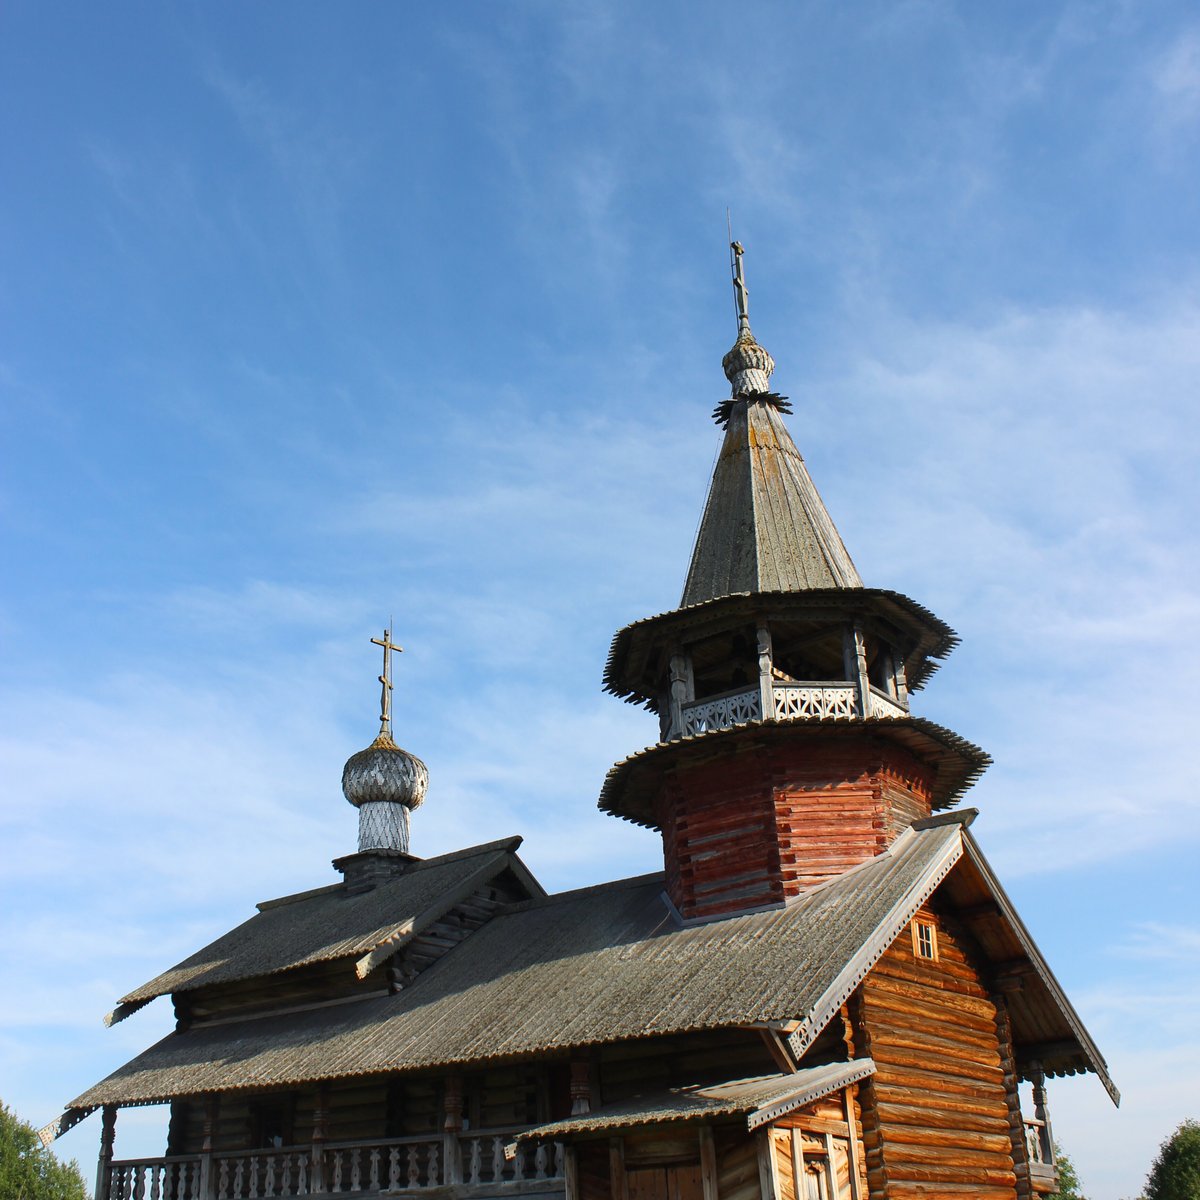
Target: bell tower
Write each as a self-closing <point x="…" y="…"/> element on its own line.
<point x="787" y="751"/>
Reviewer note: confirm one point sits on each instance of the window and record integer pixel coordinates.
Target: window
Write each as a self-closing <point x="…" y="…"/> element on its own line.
<point x="925" y="940"/>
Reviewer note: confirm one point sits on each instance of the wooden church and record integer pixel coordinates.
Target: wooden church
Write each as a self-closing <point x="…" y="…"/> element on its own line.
<point x="825" y="994"/>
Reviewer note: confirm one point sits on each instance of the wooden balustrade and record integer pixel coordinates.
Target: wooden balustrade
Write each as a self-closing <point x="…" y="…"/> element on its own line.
<point x="345" y="1168"/>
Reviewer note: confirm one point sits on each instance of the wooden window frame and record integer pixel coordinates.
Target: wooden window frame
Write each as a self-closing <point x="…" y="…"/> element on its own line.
<point x="920" y="926"/>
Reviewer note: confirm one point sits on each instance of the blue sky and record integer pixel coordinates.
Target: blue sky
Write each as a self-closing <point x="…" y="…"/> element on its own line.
<point x="314" y="314"/>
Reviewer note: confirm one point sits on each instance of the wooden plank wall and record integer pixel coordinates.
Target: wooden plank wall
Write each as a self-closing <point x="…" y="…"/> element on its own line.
<point x="752" y="829"/>
<point x="936" y="1114"/>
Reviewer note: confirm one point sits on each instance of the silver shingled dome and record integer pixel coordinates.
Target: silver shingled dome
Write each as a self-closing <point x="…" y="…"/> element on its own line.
<point x="385" y="773"/>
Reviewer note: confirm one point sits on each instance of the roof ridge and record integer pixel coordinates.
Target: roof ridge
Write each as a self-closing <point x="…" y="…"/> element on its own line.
<point x="611" y="885"/>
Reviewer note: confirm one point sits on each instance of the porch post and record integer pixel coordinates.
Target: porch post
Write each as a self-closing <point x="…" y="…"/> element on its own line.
<point x="452" y="1153"/>
<point x="320" y="1134"/>
<point x="208" y="1175"/>
<point x="108" y="1130"/>
<point x="1042" y="1113"/>
<point x="765" y="661"/>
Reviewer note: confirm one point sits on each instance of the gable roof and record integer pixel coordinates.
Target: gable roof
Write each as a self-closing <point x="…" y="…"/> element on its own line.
<point x="765" y="527"/>
<point x="336" y="922"/>
<point x="600" y="965"/>
<point x="759" y="1100"/>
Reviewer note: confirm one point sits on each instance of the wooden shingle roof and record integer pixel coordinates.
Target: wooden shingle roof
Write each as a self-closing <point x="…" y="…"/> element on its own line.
<point x="765" y="527"/>
<point x="335" y="922"/>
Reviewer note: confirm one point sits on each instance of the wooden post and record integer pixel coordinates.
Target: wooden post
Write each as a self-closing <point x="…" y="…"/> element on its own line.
<point x="571" y="1172"/>
<point x="1042" y="1113"/>
<point x="798" y="1164"/>
<point x="320" y="1134"/>
<point x="901" y="678"/>
<point x="108" y="1132"/>
<point x="856" y="1163"/>
<point x="452" y="1155"/>
<point x="679" y="694"/>
<point x="860" y="670"/>
<point x="618" y="1179"/>
<point x="768" y="1173"/>
<point x="765" y="659"/>
<point x="835" y="1193"/>
<point x="708" y="1163"/>
<point x="208" y="1176"/>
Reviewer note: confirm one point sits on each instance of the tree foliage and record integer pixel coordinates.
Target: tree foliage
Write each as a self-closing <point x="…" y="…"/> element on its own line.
<point x="1175" y="1174"/>
<point x="1068" y="1177"/>
<point x="28" y="1171"/>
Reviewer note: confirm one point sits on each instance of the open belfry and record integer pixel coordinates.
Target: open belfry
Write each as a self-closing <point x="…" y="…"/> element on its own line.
<point x="825" y="993"/>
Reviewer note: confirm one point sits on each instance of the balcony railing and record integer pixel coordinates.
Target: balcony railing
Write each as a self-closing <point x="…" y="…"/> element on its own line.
<point x="791" y="701"/>
<point x="1039" y="1150"/>
<point x="487" y="1158"/>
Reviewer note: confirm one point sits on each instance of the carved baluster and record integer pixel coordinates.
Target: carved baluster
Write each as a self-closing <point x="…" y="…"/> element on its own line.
<point x="374" y="1184"/>
<point x="302" y="1188"/>
<point x="559" y="1164"/>
<point x="285" y="1180"/>
<point x="253" y="1169"/>
<point x="498" y="1163"/>
<point x="393" y="1170"/>
<point x="355" y="1169"/>
<point x="337" y="1170"/>
<point x="519" y="1163"/>
<point x="157" y="1178"/>
<point x="223" y="1179"/>
<point x="539" y="1159"/>
<point x="414" y="1167"/>
<point x="476" y="1159"/>
<point x="434" y="1178"/>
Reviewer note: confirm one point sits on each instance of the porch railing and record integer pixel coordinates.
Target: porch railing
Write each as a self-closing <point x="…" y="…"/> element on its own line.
<point x="484" y="1158"/>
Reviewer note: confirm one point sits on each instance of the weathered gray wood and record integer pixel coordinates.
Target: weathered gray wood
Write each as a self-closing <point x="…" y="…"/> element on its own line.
<point x="571" y="1173"/>
<point x="619" y="1179"/>
<point x="108" y="1131"/>
<point x="854" y="1146"/>
<point x="831" y="1174"/>
<point x="708" y="1163"/>
<point x="768" y="1173"/>
<point x="765" y="662"/>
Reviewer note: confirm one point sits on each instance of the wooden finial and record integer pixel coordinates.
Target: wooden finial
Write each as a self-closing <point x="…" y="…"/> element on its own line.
<point x="385" y="680"/>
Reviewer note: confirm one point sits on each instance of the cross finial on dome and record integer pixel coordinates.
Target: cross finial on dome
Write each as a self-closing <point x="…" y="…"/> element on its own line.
<point x="385" y="680"/>
<point x="747" y="366"/>
<point x="741" y="294"/>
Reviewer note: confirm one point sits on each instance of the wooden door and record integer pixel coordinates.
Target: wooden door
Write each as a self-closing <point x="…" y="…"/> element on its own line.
<point x="666" y="1183"/>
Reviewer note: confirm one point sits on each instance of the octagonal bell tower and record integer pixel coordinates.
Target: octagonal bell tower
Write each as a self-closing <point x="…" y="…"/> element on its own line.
<point x="788" y="751"/>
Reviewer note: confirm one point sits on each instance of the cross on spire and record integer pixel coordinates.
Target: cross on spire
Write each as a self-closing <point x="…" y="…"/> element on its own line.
<point x="741" y="293"/>
<point x="385" y="680"/>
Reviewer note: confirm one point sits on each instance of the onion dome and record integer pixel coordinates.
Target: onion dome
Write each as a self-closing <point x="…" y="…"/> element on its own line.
<point x="384" y="782"/>
<point x="383" y="773"/>
<point x="748" y="366"/>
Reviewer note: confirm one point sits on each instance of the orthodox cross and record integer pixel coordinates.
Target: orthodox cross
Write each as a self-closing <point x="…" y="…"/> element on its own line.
<point x="742" y="296"/>
<point x="385" y="680"/>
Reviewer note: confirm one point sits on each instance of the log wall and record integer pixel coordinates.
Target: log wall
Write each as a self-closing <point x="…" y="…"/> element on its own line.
<point x="936" y="1115"/>
<point x="755" y="827"/>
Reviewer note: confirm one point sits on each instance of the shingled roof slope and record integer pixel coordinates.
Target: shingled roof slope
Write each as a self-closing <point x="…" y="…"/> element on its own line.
<point x="764" y="1097"/>
<point x="333" y="922"/>
<point x="599" y="965"/>
<point x="765" y="527"/>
